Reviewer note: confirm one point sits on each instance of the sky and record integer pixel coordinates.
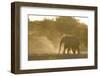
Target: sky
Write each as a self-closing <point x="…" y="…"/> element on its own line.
<point x="39" y="18"/>
<point x="82" y="19"/>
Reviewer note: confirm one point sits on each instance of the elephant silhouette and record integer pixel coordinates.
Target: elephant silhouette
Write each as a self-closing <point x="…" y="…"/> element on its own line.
<point x="70" y="43"/>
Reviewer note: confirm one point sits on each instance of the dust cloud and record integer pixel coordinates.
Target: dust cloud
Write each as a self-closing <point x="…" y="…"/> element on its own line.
<point x="42" y="45"/>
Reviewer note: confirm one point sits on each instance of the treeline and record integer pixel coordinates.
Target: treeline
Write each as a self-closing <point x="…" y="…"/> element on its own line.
<point x="54" y="29"/>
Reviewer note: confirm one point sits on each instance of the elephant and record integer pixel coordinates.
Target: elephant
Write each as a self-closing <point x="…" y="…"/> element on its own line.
<point x="70" y="43"/>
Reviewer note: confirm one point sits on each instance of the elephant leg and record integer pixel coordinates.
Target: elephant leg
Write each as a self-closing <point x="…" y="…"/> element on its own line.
<point x="68" y="51"/>
<point x="78" y="51"/>
<point x="64" y="51"/>
<point x="74" y="51"/>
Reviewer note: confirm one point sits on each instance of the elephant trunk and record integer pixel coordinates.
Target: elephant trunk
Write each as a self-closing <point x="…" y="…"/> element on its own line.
<point x="60" y="46"/>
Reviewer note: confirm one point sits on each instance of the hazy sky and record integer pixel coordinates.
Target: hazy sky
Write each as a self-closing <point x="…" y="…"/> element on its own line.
<point x="82" y="19"/>
<point x="39" y="18"/>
